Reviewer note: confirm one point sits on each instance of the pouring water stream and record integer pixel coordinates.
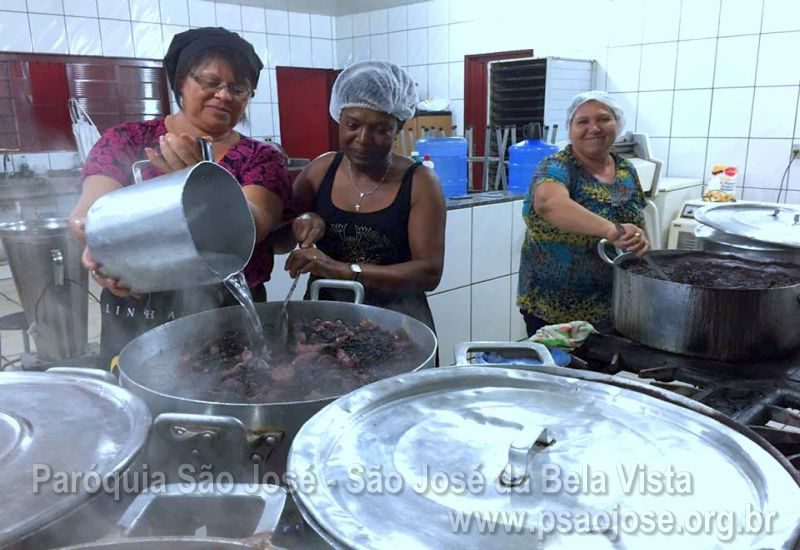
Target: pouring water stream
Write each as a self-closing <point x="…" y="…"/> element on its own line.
<point x="237" y="284"/>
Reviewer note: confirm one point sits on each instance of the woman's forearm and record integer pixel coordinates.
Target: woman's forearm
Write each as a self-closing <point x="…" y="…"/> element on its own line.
<point x="421" y="274"/>
<point x="568" y="215"/>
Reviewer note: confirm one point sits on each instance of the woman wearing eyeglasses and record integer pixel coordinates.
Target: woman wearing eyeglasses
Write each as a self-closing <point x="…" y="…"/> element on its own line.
<point x="213" y="74"/>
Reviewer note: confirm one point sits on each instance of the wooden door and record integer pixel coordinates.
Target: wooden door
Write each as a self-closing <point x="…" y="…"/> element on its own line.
<point x="476" y="97"/>
<point x="307" y="130"/>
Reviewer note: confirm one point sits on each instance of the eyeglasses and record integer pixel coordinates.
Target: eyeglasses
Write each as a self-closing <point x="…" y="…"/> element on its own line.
<point x="211" y="84"/>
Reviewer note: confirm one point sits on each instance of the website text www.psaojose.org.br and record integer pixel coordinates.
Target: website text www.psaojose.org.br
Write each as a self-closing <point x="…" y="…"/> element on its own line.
<point x="724" y="525"/>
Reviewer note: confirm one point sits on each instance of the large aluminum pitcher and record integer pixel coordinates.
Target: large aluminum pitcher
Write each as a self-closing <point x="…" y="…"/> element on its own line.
<point x="51" y="283"/>
<point x="188" y="228"/>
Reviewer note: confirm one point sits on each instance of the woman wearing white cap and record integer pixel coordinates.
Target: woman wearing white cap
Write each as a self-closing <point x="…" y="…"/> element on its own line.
<point x="579" y="195"/>
<point x="374" y="216"/>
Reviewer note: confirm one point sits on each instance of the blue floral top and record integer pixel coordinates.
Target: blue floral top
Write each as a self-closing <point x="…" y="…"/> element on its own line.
<point x="561" y="277"/>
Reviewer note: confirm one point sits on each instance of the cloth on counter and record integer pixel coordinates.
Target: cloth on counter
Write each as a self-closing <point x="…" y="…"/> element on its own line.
<point x="568" y="336"/>
<point x="560" y="358"/>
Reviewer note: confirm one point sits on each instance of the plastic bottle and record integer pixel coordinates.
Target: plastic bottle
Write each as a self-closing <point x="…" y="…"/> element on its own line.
<point x="24" y="167"/>
<point x="524" y="157"/>
<point x="426" y="161"/>
<point x="449" y="155"/>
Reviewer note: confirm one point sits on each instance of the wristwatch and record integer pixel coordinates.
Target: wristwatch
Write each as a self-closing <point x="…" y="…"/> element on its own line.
<point x="355" y="269"/>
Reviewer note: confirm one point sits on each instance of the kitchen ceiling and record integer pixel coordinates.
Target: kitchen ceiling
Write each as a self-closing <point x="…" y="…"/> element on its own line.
<point x="324" y="7"/>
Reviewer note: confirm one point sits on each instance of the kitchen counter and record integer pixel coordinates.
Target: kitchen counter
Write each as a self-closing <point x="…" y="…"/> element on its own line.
<point x="482" y="199"/>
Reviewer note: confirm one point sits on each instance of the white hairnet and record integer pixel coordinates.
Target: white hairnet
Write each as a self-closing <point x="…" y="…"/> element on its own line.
<point x="602" y="97"/>
<point x="374" y="85"/>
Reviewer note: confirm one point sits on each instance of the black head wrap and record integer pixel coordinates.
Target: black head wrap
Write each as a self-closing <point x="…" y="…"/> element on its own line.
<point x="185" y="44"/>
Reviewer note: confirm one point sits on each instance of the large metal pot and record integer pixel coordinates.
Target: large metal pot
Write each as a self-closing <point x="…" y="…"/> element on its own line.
<point x="510" y="456"/>
<point x="245" y="439"/>
<point x="727" y="324"/>
<point x="714" y="240"/>
<point x="70" y="450"/>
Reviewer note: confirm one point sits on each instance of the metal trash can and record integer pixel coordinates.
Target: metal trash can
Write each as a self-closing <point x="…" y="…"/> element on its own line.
<point x="45" y="261"/>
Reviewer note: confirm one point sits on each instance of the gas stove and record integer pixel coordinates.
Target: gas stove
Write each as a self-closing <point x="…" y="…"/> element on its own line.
<point x="763" y="395"/>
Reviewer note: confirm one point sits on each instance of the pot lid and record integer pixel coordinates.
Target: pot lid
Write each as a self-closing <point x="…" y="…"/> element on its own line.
<point x="760" y="221"/>
<point x="743" y="243"/>
<point x="60" y="436"/>
<point x="406" y="461"/>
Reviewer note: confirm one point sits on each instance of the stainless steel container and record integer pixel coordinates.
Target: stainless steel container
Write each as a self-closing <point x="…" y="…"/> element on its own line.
<point x="188" y="228"/>
<point x="539" y="458"/>
<point x="714" y="240"/>
<point x="51" y="283"/>
<point x="726" y="324"/>
<point x="245" y="439"/>
<point x="70" y="449"/>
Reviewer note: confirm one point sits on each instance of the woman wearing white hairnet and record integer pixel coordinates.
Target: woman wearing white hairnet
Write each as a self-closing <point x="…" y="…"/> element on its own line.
<point x="374" y="216"/>
<point x="579" y="195"/>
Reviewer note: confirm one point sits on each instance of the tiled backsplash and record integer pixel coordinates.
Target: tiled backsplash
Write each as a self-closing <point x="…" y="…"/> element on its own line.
<point x="711" y="81"/>
<point x="144" y="29"/>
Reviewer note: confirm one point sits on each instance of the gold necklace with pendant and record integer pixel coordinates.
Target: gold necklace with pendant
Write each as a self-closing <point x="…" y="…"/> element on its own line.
<point x="363" y="194"/>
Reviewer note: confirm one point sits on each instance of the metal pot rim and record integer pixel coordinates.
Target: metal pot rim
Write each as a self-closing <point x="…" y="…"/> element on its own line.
<point x="296" y="305"/>
<point x="628" y="257"/>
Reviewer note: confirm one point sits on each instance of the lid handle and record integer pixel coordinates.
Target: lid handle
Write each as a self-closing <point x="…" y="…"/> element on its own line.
<point x="526" y="445"/>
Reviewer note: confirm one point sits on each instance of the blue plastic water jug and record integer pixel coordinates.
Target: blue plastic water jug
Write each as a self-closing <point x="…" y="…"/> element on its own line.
<point x="449" y="156"/>
<point x="523" y="157"/>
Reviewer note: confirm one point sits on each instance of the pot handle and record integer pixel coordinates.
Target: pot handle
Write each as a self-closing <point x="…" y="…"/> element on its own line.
<point x="96" y="374"/>
<point x="602" y="244"/>
<point x="206" y="152"/>
<point x="193" y="499"/>
<point x="537" y="350"/>
<point x="356" y="287"/>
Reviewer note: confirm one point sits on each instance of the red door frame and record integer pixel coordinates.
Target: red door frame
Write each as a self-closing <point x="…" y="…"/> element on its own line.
<point x="476" y="96"/>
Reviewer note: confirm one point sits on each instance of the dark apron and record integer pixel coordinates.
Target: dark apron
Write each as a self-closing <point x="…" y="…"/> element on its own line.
<point x="123" y="319"/>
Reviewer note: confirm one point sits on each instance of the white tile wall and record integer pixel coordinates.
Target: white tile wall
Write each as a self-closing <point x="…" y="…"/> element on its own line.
<point x="254" y="19"/>
<point x="300" y="54"/>
<point x="770" y="109"/>
<point x="730" y="112"/>
<point x="83" y="35"/>
<point x="49" y="33"/>
<point x="145" y="10"/>
<point x="176" y="13"/>
<point x="46" y="6"/>
<point x="740" y="17"/>
<point x="299" y="24"/>
<point x="700" y="76"/>
<point x="117" y="38"/>
<point x="655" y="113"/>
<point x="277" y="22"/>
<point x="699" y="19"/>
<point x="201" y="13"/>
<point x="379" y="47"/>
<point x="147" y="40"/>
<point x="15" y="32"/>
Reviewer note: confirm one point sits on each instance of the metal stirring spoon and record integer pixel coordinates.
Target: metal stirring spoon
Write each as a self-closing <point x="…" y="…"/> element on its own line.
<point x="648" y="260"/>
<point x="283" y="318"/>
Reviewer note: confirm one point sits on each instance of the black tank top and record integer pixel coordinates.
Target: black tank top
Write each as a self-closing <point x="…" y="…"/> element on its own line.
<point x="378" y="238"/>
